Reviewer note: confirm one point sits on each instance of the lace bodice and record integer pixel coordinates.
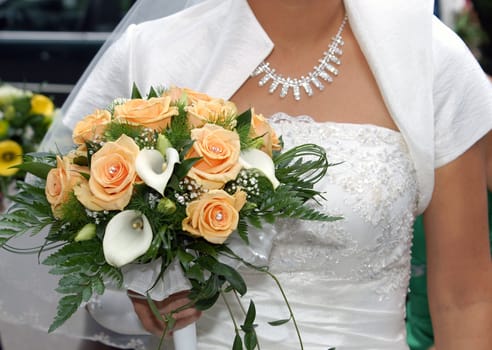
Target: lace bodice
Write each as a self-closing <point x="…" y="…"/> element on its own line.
<point x="373" y="188"/>
<point x="346" y="280"/>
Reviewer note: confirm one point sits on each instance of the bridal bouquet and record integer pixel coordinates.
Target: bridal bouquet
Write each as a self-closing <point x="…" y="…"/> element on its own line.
<point x="24" y="119"/>
<point x="168" y="178"/>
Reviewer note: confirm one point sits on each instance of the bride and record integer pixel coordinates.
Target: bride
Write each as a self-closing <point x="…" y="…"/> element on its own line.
<point x="403" y="105"/>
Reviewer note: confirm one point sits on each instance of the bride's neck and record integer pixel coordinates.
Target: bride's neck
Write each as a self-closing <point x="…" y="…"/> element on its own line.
<point x="298" y="22"/>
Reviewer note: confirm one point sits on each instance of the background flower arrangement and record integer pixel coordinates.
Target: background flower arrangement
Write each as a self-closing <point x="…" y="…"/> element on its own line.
<point x="164" y="178"/>
<point x="24" y="120"/>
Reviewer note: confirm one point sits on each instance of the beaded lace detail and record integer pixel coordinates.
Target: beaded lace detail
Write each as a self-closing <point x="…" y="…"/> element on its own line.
<point x="374" y="189"/>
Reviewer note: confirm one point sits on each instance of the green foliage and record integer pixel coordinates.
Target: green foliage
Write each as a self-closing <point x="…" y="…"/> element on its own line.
<point x="30" y="213"/>
<point x="138" y="133"/>
<point x="248" y="327"/>
<point x="243" y="128"/>
<point x="84" y="271"/>
<point x="135" y="92"/>
<point x="38" y="164"/>
<point x="292" y="167"/>
<point x="178" y="132"/>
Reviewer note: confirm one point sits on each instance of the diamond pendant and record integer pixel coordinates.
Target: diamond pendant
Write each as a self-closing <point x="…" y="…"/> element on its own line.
<point x="325" y="71"/>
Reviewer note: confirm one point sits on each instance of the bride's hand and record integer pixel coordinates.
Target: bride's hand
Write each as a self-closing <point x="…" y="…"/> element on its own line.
<point x="168" y="305"/>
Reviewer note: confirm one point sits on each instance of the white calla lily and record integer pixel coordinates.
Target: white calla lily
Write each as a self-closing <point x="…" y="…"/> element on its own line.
<point x="128" y="236"/>
<point x="255" y="159"/>
<point x="154" y="170"/>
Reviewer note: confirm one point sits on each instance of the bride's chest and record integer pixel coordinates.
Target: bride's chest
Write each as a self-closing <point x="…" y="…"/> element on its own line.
<point x="372" y="186"/>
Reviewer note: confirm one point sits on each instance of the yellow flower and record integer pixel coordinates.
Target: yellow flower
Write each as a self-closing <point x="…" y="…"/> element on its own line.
<point x="42" y="105"/>
<point x="10" y="155"/>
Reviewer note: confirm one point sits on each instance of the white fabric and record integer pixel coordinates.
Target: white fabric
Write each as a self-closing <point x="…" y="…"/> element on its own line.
<point x="432" y="86"/>
<point x="347" y="280"/>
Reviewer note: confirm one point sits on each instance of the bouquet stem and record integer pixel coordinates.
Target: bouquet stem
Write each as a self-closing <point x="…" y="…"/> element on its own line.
<point x="185" y="338"/>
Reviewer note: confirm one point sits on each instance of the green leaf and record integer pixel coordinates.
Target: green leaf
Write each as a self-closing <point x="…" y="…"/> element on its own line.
<point x="250" y="340"/>
<point x="279" y="322"/>
<point x="250" y="316"/>
<point x="152" y="93"/>
<point x="195" y="272"/>
<point x="154" y="308"/>
<point x="29" y="213"/>
<point x="242" y="229"/>
<point x="238" y="343"/>
<point x="205" y="304"/>
<point x="231" y="275"/>
<point x="66" y="308"/>
<point x="135" y="92"/>
<point x="244" y="119"/>
<point x="203" y="247"/>
<point x="182" y="169"/>
<point x="98" y="285"/>
<point x="87" y="293"/>
<point x="83" y="269"/>
<point x="38" y="169"/>
<point x="184" y="257"/>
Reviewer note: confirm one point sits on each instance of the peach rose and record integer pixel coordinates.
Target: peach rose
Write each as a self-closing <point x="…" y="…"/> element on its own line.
<point x="60" y="182"/>
<point x="219" y="149"/>
<point x="91" y="127"/>
<point x="214" y="216"/>
<point x="112" y="176"/>
<point x="201" y="112"/>
<point x="154" y="113"/>
<point x="261" y="127"/>
<point x="176" y="93"/>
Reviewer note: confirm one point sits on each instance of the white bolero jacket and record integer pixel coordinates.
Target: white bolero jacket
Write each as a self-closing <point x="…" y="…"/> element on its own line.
<point x="433" y="87"/>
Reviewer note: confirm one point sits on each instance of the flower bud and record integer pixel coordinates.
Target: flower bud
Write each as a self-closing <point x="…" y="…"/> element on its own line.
<point x="162" y="144"/>
<point x="86" y="233"/>
<point x="166" y="206"/>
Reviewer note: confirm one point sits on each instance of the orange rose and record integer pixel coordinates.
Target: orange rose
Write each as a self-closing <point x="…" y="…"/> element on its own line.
<point x="213" y="111"/>
<point x="91" y="127"/>
<point x="112" y="176"/>
<point x="261" y="128"/>
<point x="176" y="93"/>
<point x="214" y="215"/>
<point x="154" y="113"/>
<point x="60" y="182"/>
<point x="219" y="149"/>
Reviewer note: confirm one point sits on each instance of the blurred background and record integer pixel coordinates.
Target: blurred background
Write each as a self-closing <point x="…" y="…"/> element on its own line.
<point x="45" y="45"/>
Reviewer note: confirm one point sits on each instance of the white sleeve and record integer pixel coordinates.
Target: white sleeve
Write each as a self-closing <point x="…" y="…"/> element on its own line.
<point x="462" y="97"/>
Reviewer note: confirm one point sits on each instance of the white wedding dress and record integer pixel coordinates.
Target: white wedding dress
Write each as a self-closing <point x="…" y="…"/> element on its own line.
<point x="346" y="280"/>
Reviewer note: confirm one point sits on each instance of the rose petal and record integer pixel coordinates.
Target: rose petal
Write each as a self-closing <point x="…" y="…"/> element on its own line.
<point x="128" y="235"/>
<point x="255" y="159"/>
<point x="149" y="164"/>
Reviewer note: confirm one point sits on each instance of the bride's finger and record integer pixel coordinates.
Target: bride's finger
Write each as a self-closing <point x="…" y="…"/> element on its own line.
<point x="174" y="302"/>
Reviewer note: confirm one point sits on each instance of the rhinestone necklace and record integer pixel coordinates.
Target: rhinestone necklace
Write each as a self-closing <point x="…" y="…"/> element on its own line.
<point x="324" y="67"/>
